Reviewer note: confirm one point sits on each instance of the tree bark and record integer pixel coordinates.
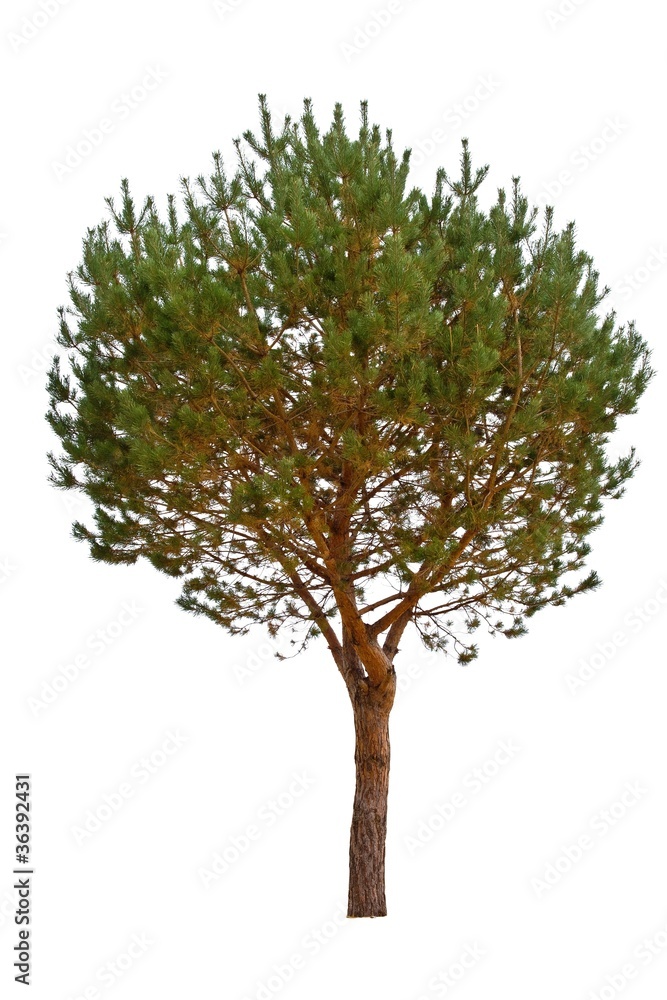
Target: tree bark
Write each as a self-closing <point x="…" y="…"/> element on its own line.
<point x="371" y="705"/>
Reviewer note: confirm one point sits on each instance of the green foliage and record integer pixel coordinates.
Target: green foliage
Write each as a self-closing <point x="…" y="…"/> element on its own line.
<point x="318" y="381"/>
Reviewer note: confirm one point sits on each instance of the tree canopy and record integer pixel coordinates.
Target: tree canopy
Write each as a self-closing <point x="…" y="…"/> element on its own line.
<point x="312" y="391"/>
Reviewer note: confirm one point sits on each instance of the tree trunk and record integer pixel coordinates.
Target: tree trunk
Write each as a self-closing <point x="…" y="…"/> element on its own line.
<point x="372" y="706"/>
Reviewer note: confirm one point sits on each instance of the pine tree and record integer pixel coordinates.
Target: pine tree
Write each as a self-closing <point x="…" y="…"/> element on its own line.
<point x="333" y="405"/>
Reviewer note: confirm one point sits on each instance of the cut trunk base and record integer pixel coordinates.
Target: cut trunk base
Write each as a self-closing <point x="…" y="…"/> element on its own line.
<point x="369" y="816"/>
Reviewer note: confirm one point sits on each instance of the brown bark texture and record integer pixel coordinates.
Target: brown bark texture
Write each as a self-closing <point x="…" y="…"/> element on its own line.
<point x="371" y="705"/>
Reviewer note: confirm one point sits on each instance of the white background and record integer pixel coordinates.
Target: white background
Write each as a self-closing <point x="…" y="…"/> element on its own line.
<point x="538" y="91"/>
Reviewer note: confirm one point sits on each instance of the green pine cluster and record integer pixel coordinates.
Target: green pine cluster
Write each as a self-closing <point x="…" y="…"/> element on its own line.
<point x="309" y="390"/>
